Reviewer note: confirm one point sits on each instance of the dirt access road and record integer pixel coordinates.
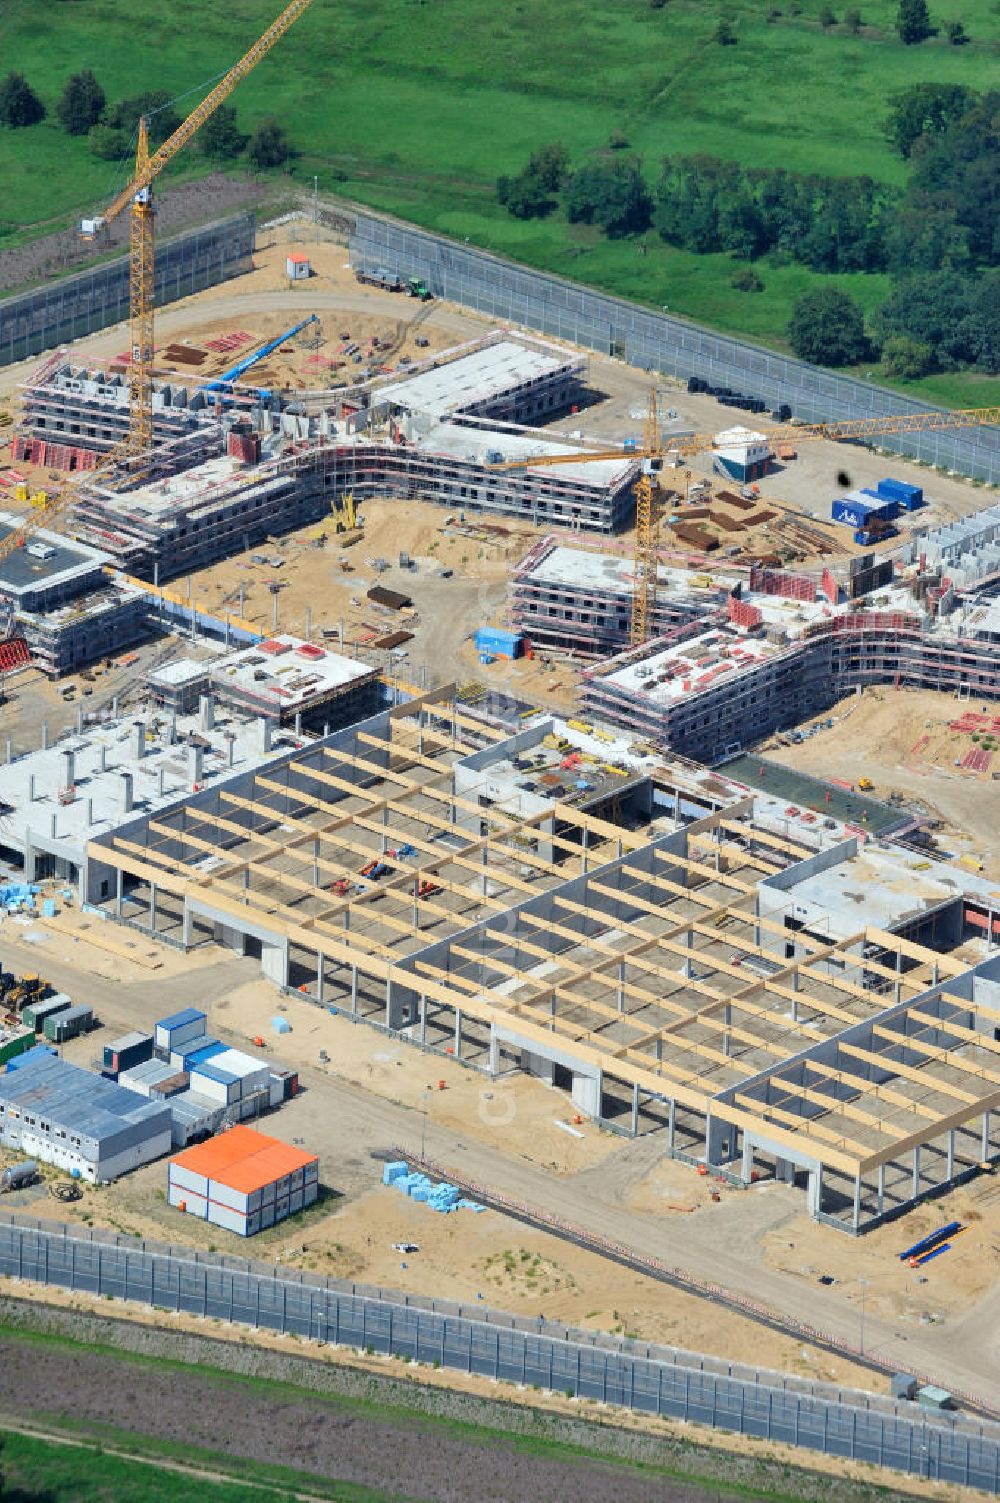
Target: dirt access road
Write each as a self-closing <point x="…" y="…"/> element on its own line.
<point x="726" y="1249"/>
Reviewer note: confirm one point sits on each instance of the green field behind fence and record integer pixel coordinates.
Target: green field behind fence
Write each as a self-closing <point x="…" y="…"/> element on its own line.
<point x="416" y="106"/>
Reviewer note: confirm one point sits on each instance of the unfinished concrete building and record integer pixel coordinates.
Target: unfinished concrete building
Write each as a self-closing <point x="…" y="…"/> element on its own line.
<point x="60" y="598"/>
<point x="579" y="602"/>
<point x="515" y="380"/>
<point x="714" y="983"/>
<point x="180" y="524"/>
<point x="293" y="682"/>
<point x="72" y="416"/>
<point x="707" y="692"/>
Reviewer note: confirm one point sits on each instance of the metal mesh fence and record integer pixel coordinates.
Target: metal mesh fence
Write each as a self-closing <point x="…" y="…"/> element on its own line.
<point x="67" y="310"/>
<point x="676" y="1385"/>
<point x="658" y="341"/>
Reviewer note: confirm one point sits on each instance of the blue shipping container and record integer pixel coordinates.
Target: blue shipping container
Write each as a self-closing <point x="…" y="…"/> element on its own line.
<point x="854" y="513"/>
<point x="909" y="496"/>
<point x="502" y="643"/>
<point x="29" y="1054"/>
<point x="203" y="1055"/>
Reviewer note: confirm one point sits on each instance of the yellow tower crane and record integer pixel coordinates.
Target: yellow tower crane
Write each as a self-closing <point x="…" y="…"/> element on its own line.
<point x="655" y="448"/>
<point x="647" y="534"/>
<point x="139" y="194"/>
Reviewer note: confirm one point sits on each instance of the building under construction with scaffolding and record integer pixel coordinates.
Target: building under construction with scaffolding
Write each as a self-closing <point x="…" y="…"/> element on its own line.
<point x="660" y="953"/>
<point x="737" y="653"/>
<point x="228" y="473"/>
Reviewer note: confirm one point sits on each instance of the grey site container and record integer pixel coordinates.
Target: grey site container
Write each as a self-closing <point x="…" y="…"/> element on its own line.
<point x="66" y="1025"/>
<point x="35" y="1014"/>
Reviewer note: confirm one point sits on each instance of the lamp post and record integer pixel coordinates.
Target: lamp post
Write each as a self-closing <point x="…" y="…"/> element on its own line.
<point x="423" y="1122"/>
<point x="863" y="1284"/>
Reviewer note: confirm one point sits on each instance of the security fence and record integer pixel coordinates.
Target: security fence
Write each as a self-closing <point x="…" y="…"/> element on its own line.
<point x="658" y="341"/>
<point x="608" y="1370"/>
<point x="68" y="309"/>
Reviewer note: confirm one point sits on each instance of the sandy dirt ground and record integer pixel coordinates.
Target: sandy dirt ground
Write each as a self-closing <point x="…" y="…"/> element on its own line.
<point x="369" y="1098"/>
<point x="900" y="738"/>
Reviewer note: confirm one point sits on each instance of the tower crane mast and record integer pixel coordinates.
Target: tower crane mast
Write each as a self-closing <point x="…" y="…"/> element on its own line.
<point x="142" y="267"/>
<point x="656" y="448"/>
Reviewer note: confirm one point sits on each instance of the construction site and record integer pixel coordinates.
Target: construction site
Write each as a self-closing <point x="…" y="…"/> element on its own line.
<point x="524" y="746"/>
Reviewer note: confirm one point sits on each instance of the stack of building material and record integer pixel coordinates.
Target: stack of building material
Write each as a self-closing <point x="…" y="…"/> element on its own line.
<point x="416" y="1186"/>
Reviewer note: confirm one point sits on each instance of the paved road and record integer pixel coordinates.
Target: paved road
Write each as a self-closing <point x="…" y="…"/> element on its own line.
<point x="963" y="1354"/>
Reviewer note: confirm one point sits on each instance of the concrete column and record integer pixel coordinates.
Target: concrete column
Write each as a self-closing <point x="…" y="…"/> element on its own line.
<point x="316" y="861"/>
<point x="354" y="990"/>
<point x="916" y="1172"/>
<point x="126" y="792"/>
<point x="635" y="1110"/>
<point x="423" y="1018"/>
<point x="814" y="1190"/>
<point x="152" y="907"/>
<point x="587" y="1093"/>
<point x="585" y="848"/>
<point x="10" y="750"/>
<point x="102" y="758"/>
<point x="31" y="787"/>
<point x="137" y="740"/>
<point x="494" y="1059"/>
<point x="45" y="736"/>
<point x="320" y="986"/>
<point x="196" y="764"/>
<point x="206" y="710"/>
<point x="951" y="1154"/>
<point x="621" y="986"/>
<point x="881" y="1188"/>
<point x="298" y="722"/>
<point x="119" y="893"/>
<point x="856" y="1214"/>
<point x="458" y="1033"/>
<point x="986" y="1137"/>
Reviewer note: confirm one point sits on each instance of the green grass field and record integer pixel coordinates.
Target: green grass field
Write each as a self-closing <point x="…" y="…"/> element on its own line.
<point x="416" y="106"/>
<point x="46" y="1471"/>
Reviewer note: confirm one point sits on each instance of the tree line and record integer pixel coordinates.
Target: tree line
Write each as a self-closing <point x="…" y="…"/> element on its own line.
<point x="938" y="237"/>
<point x="82" y="109"/>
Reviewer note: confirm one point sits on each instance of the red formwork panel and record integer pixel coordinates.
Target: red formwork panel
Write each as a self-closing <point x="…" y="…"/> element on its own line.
<point x="743" y="614"/>
<point x="13" y="654"/>
<point x="777" y="582"/>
